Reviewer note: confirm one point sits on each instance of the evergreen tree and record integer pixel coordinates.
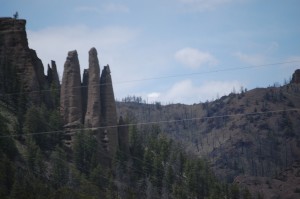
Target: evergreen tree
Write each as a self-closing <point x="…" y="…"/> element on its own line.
<point x="60" y="170"/>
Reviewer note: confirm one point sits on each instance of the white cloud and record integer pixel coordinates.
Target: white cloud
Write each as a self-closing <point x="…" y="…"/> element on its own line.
<point x="53" y="43"/>
<point x="194" y="58"/>
<point x="186" y="92"/>
<point x="153" y="95"/>
<point x="251" y="59"/>
<point x="114" y="7"/>
<point x="108" y="8"/>
<point x="203" y="5"/>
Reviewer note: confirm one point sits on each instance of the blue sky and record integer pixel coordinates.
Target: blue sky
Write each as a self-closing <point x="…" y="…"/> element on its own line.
<point x="147" y="39"/>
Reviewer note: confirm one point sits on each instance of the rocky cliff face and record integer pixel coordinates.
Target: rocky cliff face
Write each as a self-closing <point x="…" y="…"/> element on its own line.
<point x="16" y="56"/>
<point x="70" y="95"/>
<point x="92" y="116"/>
<point x="21" y="71"/>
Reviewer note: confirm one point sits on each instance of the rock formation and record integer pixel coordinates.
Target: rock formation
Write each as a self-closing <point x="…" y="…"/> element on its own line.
<point x="92" y="116"/>
<point x="84" y="103"/>
<point x="70" y="95"/>
<point x="52" y="75"/>
<point x="108" y="110"/>
<point x="296" y="77"/>
<point x="16" y="55"/>
<point x="91" y="103"/>
<point x="54" y="85"/>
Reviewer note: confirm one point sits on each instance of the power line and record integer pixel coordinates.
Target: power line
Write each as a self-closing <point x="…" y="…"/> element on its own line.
<point x="162" y="77"/>
<point x="156" y="122"/>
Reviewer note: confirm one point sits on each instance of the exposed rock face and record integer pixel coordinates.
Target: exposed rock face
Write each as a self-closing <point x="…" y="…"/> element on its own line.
<point x="92" y="116"/>
<point x="123" y="132"/>
<point x="52" y="75"/>
<point x="108" y="110"/>
<point x="296" y="77"/>
<point x="54" y="85"/>
<point x="16" y="55"/>
<point x="70" y="97"/>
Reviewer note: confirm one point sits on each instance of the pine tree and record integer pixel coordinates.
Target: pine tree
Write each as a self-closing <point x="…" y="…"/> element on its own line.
<point x="60" y="169"/>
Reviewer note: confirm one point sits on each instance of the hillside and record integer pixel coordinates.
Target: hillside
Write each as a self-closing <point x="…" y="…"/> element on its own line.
<point x="253" y="133"/>
<point x="72" y="140"/>
<point x="65" y="141"/>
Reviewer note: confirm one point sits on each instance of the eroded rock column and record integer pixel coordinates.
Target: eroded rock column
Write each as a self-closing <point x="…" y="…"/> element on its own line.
<point x="70" y="95"/>
<point x="108" y="110"/>
<point x="92" y="117"/>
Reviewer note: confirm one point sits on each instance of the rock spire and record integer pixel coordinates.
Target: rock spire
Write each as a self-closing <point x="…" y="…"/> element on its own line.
<point x="92" y="116"/>
<point x="108" y="110"/>
<point x="70" y="95"/>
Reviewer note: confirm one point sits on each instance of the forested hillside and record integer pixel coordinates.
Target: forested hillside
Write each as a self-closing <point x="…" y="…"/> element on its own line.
<point x="250" y="133"/>
<point x="36" y="164"/>
<point x="63" y="140"/>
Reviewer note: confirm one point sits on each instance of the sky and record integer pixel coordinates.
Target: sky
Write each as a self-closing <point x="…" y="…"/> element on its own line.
<point x="171" y="51"/>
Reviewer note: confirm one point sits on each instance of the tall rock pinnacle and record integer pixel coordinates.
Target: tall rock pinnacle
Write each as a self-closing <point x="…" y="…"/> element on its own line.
<point x="108" y="110"/>
<point x="92" y="116"/>
<point x="70" y="97"/>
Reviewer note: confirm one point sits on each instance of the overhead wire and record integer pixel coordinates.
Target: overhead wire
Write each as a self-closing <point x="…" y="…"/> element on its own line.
<point x="162" y="77"/>
<point x="158" y="122"/>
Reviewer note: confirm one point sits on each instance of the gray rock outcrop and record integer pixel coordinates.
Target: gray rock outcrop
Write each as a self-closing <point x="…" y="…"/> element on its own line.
<point x="92" y="116"/>
<point x="53" y="86"/>
<point x="70" y="95"/>
<point x="16" y="57"/>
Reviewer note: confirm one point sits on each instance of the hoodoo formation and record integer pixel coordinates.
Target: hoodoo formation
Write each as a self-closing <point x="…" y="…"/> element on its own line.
<point x="92" y="117"/>
<point x="70" y="95"/>
<point x="91" y="103"/>
<point x="82" y="104"/>
<point x="108" y="109"/>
